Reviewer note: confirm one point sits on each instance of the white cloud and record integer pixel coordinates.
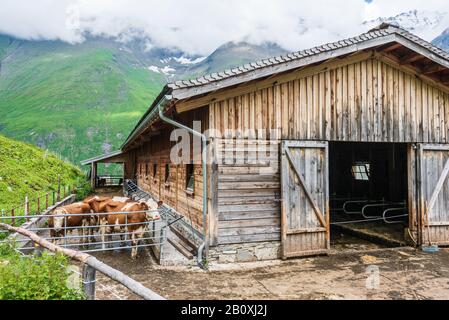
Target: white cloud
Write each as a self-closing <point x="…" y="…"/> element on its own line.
<point x="200" y="26"/>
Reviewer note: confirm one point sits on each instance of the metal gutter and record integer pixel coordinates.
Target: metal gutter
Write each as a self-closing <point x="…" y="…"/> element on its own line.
<point x="205" y="245"/>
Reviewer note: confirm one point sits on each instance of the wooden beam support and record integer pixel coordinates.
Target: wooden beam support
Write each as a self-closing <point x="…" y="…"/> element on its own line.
<point x="413" y="57"/>
<point x="391" y="48"/>
<point x="434" y="68"/>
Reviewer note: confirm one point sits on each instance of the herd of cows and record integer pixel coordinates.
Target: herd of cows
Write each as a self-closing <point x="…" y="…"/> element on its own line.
<point x="106" y="216"/>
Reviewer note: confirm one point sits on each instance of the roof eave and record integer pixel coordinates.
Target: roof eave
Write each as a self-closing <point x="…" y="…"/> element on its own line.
<point x="185" y="93"/>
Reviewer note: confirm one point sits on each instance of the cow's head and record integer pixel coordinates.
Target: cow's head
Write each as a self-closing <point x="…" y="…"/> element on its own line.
<point x="58" y="221"/>
<point x="153" y="205"/>
<point x="143" y="206"/>
<point x="152" y="215"/>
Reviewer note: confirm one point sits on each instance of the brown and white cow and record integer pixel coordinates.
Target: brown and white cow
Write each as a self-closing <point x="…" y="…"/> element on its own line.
<point x="126" y="217"/>
<point x="95" y="203"/>
<point x="65" y="219"/>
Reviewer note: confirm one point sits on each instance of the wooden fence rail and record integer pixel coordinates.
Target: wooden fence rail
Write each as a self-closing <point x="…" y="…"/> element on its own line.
<point x="92" y="264"/>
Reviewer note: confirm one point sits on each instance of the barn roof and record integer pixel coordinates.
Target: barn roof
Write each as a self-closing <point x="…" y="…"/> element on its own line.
<point x="383" y="36"/>
<point x="103" y="158"/>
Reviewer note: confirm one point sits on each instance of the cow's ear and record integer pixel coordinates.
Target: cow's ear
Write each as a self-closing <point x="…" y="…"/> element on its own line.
<point x="160" y="203"/>
<point x="113" y="204"/>
<point x="89" y="200"/>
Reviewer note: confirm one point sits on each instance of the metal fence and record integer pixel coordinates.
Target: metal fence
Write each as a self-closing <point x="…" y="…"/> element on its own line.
<point x="111" y="231"/>
<point x="108" y="181"/>
<point x="87" y="276"/>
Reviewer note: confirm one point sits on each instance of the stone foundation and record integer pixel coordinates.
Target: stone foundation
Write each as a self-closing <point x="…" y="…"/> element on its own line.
<point x="245" y="252"/>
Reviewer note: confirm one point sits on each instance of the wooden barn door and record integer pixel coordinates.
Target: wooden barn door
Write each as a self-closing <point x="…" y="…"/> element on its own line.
<point x="305" y="193"/>
<point x="433" y="191"/>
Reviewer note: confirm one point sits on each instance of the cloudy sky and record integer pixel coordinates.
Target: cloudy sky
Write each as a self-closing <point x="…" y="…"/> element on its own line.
<point x="200" y="26"/>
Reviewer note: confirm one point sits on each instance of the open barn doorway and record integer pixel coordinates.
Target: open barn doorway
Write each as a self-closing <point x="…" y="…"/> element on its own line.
<point x="368" y="187"/>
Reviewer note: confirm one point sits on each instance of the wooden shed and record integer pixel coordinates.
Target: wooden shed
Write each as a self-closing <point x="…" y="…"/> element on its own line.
<point x="295" y="141"/>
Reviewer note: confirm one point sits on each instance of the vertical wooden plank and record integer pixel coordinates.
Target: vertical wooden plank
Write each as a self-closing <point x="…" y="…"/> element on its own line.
<point x="413" y="111"/>
<point x="297" y="110"/>
<point x="430" y="114"/>
<point x="370" y="100"/>
<point x="311" y="123"/>
<point x="321" y="106"/>
<point x="252" y="113"/>
<point x="328" y="106"/>
<point x="264" y="113"/>
<point x="401" y="106"/>
<point x="285" y="204"/>
<point x="407" y="125"/>
<point x="345" y="104"/>
<point x="285" y="114"/>
<point x="363" y="105"/>
<point x="225" y="119"/>
<point x="357" y="116"/>
<point x="384" y="102"/>
<point x="390" y="104"/>
<point x="271" y="114"/>
<point x="303" y="108"/>
<point x="239" y="117"/>
<point x="246" y="115"/>
<point x="291" y="110"/>
<point x="351" y="115"/>
<point x="442" y="117"/>
<point x="396" y="94"/>
<point x="379" y="101"/>
<point x="420" y="108"/>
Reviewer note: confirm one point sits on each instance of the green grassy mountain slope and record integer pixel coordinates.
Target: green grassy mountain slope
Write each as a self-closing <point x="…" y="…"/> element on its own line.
<point x="82" y="100"/>
<point x="26" y="169"/>
<point x="77" y="100"/>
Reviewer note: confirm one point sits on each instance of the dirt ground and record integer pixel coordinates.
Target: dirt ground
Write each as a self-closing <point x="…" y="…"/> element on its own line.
<point x="355" y="269"/>
<point x="402" y="274"/>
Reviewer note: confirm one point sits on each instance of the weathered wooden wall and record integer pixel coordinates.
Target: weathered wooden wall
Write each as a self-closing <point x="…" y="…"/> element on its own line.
<point x="157" y="151"/>
<point x="434" y="182"/>
<point x="369" y="100"/>
<point x="248" y="191"/>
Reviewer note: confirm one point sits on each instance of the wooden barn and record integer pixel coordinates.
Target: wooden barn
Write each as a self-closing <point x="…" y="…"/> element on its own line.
<point x="356" y="130"/>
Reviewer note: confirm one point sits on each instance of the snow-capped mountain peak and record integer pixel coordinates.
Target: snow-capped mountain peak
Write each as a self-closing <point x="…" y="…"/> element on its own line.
<point x="427" y="24"/>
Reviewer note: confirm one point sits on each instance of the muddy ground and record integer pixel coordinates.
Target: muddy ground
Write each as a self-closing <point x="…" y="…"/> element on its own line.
<point x="402" y="274"/>
<point x="355" y="269"/>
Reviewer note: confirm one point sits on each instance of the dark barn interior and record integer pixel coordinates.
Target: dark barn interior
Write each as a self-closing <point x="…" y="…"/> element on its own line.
<point x="368" y="192"/>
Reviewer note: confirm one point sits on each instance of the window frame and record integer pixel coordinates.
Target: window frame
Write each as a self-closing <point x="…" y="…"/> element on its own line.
<point x="167" y="178"/>
<point x="361" y="171"/>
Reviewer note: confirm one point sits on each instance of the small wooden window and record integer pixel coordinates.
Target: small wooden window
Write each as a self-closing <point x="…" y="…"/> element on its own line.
<point x="154" y="170"/>
<point x="361" y="171"/>
<point x="167" y="173"/>
<point x="190" y="177"/>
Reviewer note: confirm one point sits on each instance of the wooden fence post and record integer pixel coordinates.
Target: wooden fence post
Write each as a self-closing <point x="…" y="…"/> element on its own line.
<point x="46" y="201"/>
<point x="13" y="221"/>
<point x="27" y="207"/>
<point x="89" y="276"/>
<point x="59" y="188"/>
<point x="38" y="205"/>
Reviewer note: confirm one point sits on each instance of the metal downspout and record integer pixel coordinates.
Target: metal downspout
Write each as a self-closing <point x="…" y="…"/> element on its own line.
<point x="205" y="244"/>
